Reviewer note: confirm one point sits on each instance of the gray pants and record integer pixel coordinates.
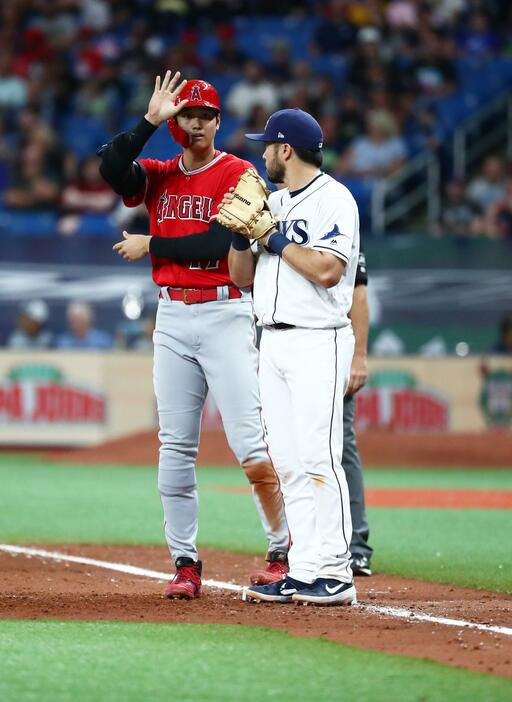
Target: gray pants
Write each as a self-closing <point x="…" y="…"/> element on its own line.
<point x="354" y="473"/>
<point x="201" y="348"/>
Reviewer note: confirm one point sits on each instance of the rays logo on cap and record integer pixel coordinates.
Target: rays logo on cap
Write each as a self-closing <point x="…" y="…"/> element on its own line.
<point x="196" y="93"/>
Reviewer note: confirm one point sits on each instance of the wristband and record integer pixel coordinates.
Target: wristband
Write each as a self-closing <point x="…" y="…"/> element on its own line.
<point x="277" y="243"/>
<point x="239" y="242"/>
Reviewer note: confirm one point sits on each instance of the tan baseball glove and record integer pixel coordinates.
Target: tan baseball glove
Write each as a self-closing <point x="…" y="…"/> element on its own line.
<point x="248" y="213"/>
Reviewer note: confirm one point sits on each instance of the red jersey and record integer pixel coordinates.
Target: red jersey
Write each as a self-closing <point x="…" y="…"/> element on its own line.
<point x="181" y="202"/>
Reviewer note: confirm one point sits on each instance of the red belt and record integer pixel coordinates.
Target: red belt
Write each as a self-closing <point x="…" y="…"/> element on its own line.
<point x="194" y="296"/>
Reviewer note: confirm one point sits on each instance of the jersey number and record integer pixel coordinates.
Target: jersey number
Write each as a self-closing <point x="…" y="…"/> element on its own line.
<point x="204" y="265"/>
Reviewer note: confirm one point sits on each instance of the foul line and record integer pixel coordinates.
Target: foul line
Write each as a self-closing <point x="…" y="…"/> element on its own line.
<point x="121" y="567"/>
<point x="398" y="612"/>
<point x="414" y="616"/>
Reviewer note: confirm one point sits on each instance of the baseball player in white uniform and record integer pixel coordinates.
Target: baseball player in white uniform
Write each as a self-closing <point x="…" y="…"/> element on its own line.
<point x="303" y="277"/>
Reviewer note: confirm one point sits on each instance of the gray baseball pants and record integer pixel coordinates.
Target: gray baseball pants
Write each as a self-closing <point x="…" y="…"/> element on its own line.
<point x="354" y="473"/>
<point x="200" y="348"/>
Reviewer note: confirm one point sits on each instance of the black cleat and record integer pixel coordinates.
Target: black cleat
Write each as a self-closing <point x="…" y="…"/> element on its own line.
<point x="360" y="565"/>
<point x="327" y="591"/>
<point x="281" y="591"/>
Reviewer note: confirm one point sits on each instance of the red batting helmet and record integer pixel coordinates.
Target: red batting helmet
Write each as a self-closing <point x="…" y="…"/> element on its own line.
<point x="199" y="93"/>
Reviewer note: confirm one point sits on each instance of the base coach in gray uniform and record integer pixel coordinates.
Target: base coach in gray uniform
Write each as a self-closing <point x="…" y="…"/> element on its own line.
<point x="359" y="548"/>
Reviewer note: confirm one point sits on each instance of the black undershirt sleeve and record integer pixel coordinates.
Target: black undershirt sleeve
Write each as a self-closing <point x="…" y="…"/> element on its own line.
<point x="118" y="166"/>
<point x="211" y="245"/>
<point x="128" y="177"/>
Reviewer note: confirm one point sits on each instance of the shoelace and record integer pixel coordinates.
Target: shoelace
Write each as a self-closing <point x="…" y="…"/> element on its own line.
<point x="187" y="573"/>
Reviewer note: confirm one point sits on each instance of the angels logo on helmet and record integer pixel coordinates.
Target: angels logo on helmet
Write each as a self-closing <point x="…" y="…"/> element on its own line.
<point x="195" y="93"/>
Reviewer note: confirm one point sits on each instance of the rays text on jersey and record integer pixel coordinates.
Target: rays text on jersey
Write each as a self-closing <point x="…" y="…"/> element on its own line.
<point x="295" y="230"/>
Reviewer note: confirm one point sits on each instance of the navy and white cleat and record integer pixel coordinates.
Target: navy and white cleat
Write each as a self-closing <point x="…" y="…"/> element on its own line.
<point x="282" y="591"/>
<point x="327" y="591"/>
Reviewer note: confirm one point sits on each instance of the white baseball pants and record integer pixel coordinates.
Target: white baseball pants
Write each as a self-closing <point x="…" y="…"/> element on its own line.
<point x="303" y="377"/>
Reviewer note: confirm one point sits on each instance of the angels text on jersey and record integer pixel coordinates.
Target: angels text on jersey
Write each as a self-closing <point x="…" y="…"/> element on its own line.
<point x="184" y="207"/>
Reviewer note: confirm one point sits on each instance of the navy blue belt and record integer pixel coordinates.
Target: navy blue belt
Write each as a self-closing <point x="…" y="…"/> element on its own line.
<point x="279" y="325"/>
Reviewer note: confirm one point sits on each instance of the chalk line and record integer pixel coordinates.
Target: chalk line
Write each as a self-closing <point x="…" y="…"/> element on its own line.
<point x="397" y="612"/>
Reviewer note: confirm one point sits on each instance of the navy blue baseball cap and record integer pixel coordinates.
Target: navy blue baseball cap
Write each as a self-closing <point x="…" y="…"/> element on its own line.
<point x="294" y="127"/>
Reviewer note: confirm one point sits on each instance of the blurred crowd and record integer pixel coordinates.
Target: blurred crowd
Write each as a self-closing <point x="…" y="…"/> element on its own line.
<point x="482" y="206"/>
<point x="34" y="330"/>
<point x="374" y="72"/>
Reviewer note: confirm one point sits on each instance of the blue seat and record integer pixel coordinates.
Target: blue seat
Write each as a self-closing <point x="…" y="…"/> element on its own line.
<point x="499" y="73"/>
<point x="33" y="223"/>
<point x="257" y="35"/>
<point x="208" y="46"/>
<point x="465" y="73"/>
<point x="129" y="122"/>
<point x="333" y="66"/>
<point x="96" y="225"/>
<point x="161" y="145"/>
<point x="484" y="79"/>
<point x="223" y="83"/>
<point x="82" y="135"/>
<point x="362" y="193"/>
<point x="453" y="109"/>
<point x="228" y="125"/>
<point x="259" y="165"/>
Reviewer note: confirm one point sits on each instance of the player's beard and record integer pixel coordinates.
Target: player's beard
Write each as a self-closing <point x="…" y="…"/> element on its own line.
<point x="276" y="170"/>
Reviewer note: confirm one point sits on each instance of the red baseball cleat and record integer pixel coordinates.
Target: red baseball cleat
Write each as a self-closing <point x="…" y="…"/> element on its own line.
<point x="186" y="584"/>
<point x="276" y="570"/>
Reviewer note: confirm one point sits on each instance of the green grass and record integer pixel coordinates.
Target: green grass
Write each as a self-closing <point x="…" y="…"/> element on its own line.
<point x="62" y="661"/>
<point x="462" y="547"/>
<point x="41" y="502"/>
<point x="479" y="479"/>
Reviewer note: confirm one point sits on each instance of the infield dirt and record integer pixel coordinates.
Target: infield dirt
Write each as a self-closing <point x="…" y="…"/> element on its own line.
<point x="36" y="588"/>
<point x="378" y="448"/>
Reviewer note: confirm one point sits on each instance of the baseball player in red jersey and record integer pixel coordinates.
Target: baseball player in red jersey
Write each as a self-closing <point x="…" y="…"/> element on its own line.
<point x="204" y="335"/>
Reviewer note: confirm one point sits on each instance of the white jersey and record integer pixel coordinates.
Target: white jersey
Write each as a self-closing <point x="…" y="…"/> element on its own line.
<point x="322" y="216"/>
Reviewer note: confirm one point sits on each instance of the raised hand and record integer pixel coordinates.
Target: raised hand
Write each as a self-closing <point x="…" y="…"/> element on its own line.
<point x="161" y="106"/>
